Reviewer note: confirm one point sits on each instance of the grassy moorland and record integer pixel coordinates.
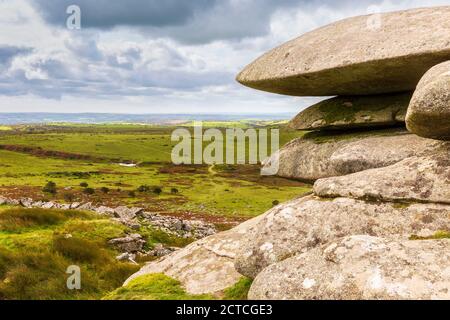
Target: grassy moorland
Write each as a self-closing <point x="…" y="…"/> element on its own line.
<point x="37" y="246"/>
<point x="89" y="156"/>
<point x="70" y="163"/>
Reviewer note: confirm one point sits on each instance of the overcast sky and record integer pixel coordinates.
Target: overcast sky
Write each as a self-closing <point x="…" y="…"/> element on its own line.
<point x="154" y="56"/>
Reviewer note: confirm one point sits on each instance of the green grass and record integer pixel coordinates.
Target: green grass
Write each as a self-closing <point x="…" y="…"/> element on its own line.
<point x="161" y="287"/>
<point x="18" y="219"/>
<point x="154" y="287"/>
<point x="152" y="145"/>
<point x="154" y="236"/>
<point x="226" y="194"/>
<point x="239" y="291"/>
<point x="36" y="250"/>
<point x="437" y="236"/>
<point x="206" y="193"/>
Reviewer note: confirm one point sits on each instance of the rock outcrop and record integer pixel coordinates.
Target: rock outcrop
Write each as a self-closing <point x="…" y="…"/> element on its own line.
<point x="305" y="223"/>
<point x="375" y="190"/>
<point x="320" y="156"/>
<point x="343" y="113"/>
<point x="205" y="266"/>
<point x="355" y="57"/>
<point x="429" y="111"/>
<point x="360" y="267"/>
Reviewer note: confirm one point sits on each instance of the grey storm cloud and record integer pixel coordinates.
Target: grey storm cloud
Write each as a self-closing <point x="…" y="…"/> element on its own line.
<point x="130" y="81"/>
<point x="93" y="71"/>
<point x="193" y="21"/>
<point x="111" y="13"/>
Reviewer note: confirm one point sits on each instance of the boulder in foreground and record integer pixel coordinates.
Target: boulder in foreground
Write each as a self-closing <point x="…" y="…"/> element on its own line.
<point x="205" y="266"/>
<point x="360" y="268"/>
<point x="429" y="111"/>
<point x="355" y="56"/>
<point x="342" y="113"/>
<point x="305" y="223"/>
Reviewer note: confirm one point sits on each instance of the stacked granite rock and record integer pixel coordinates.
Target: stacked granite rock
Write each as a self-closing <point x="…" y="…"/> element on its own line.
<point x="375" y="189"/>
<point x="376" y="223"/>
<point x="373" y="73"/>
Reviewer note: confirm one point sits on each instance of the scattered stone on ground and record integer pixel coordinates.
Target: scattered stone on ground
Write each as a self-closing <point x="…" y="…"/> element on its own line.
<point x="105" y="211"/>
<point x="126" y="256"/>
<point x="131" y="243"/>
<point x="126" y="213"/>
<point x="130" y="217"/>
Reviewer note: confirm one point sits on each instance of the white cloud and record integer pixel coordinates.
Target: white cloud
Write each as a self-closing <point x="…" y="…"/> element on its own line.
<point x="178" y="64"/>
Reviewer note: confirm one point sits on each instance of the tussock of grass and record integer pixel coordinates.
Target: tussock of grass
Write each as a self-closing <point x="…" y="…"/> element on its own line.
<point x="37" y="269"/>
<point x="154" y="236"/>
<point x="93" y="230"/>
<point x="34" y="275"/>
<point x="154" y="287"/>
<point x="79" y="250"/>
<point x="239" y="291"/>
<point x="6" y="259"/>
<point x="16" y="219"/>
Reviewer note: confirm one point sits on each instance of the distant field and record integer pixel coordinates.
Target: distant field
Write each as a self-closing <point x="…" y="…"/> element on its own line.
<point x="137" y="143"/>
<point x="70" y="155"/>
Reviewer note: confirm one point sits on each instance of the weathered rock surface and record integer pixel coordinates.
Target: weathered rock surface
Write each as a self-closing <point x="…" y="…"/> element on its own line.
<point x="354" y="112"/>
<point x="314" y="157"/>
<point x="305" y="223"/>
<point x="130" y="243"/>
<point x="105" y="211"/>
<point x="126" y="213"/>
<point x="205" y="266"/>
<point x="26" y="202"/>
<point x="75" y="205"/>
<point x="356" y="56"/>
<point x="429" y="111"/>
<point x="361" y="267"/>
<point x="423" y="178"/>
<point x="86" y="206"/>
<point x="131" y="257"/>
<point x="48" y="205"/>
